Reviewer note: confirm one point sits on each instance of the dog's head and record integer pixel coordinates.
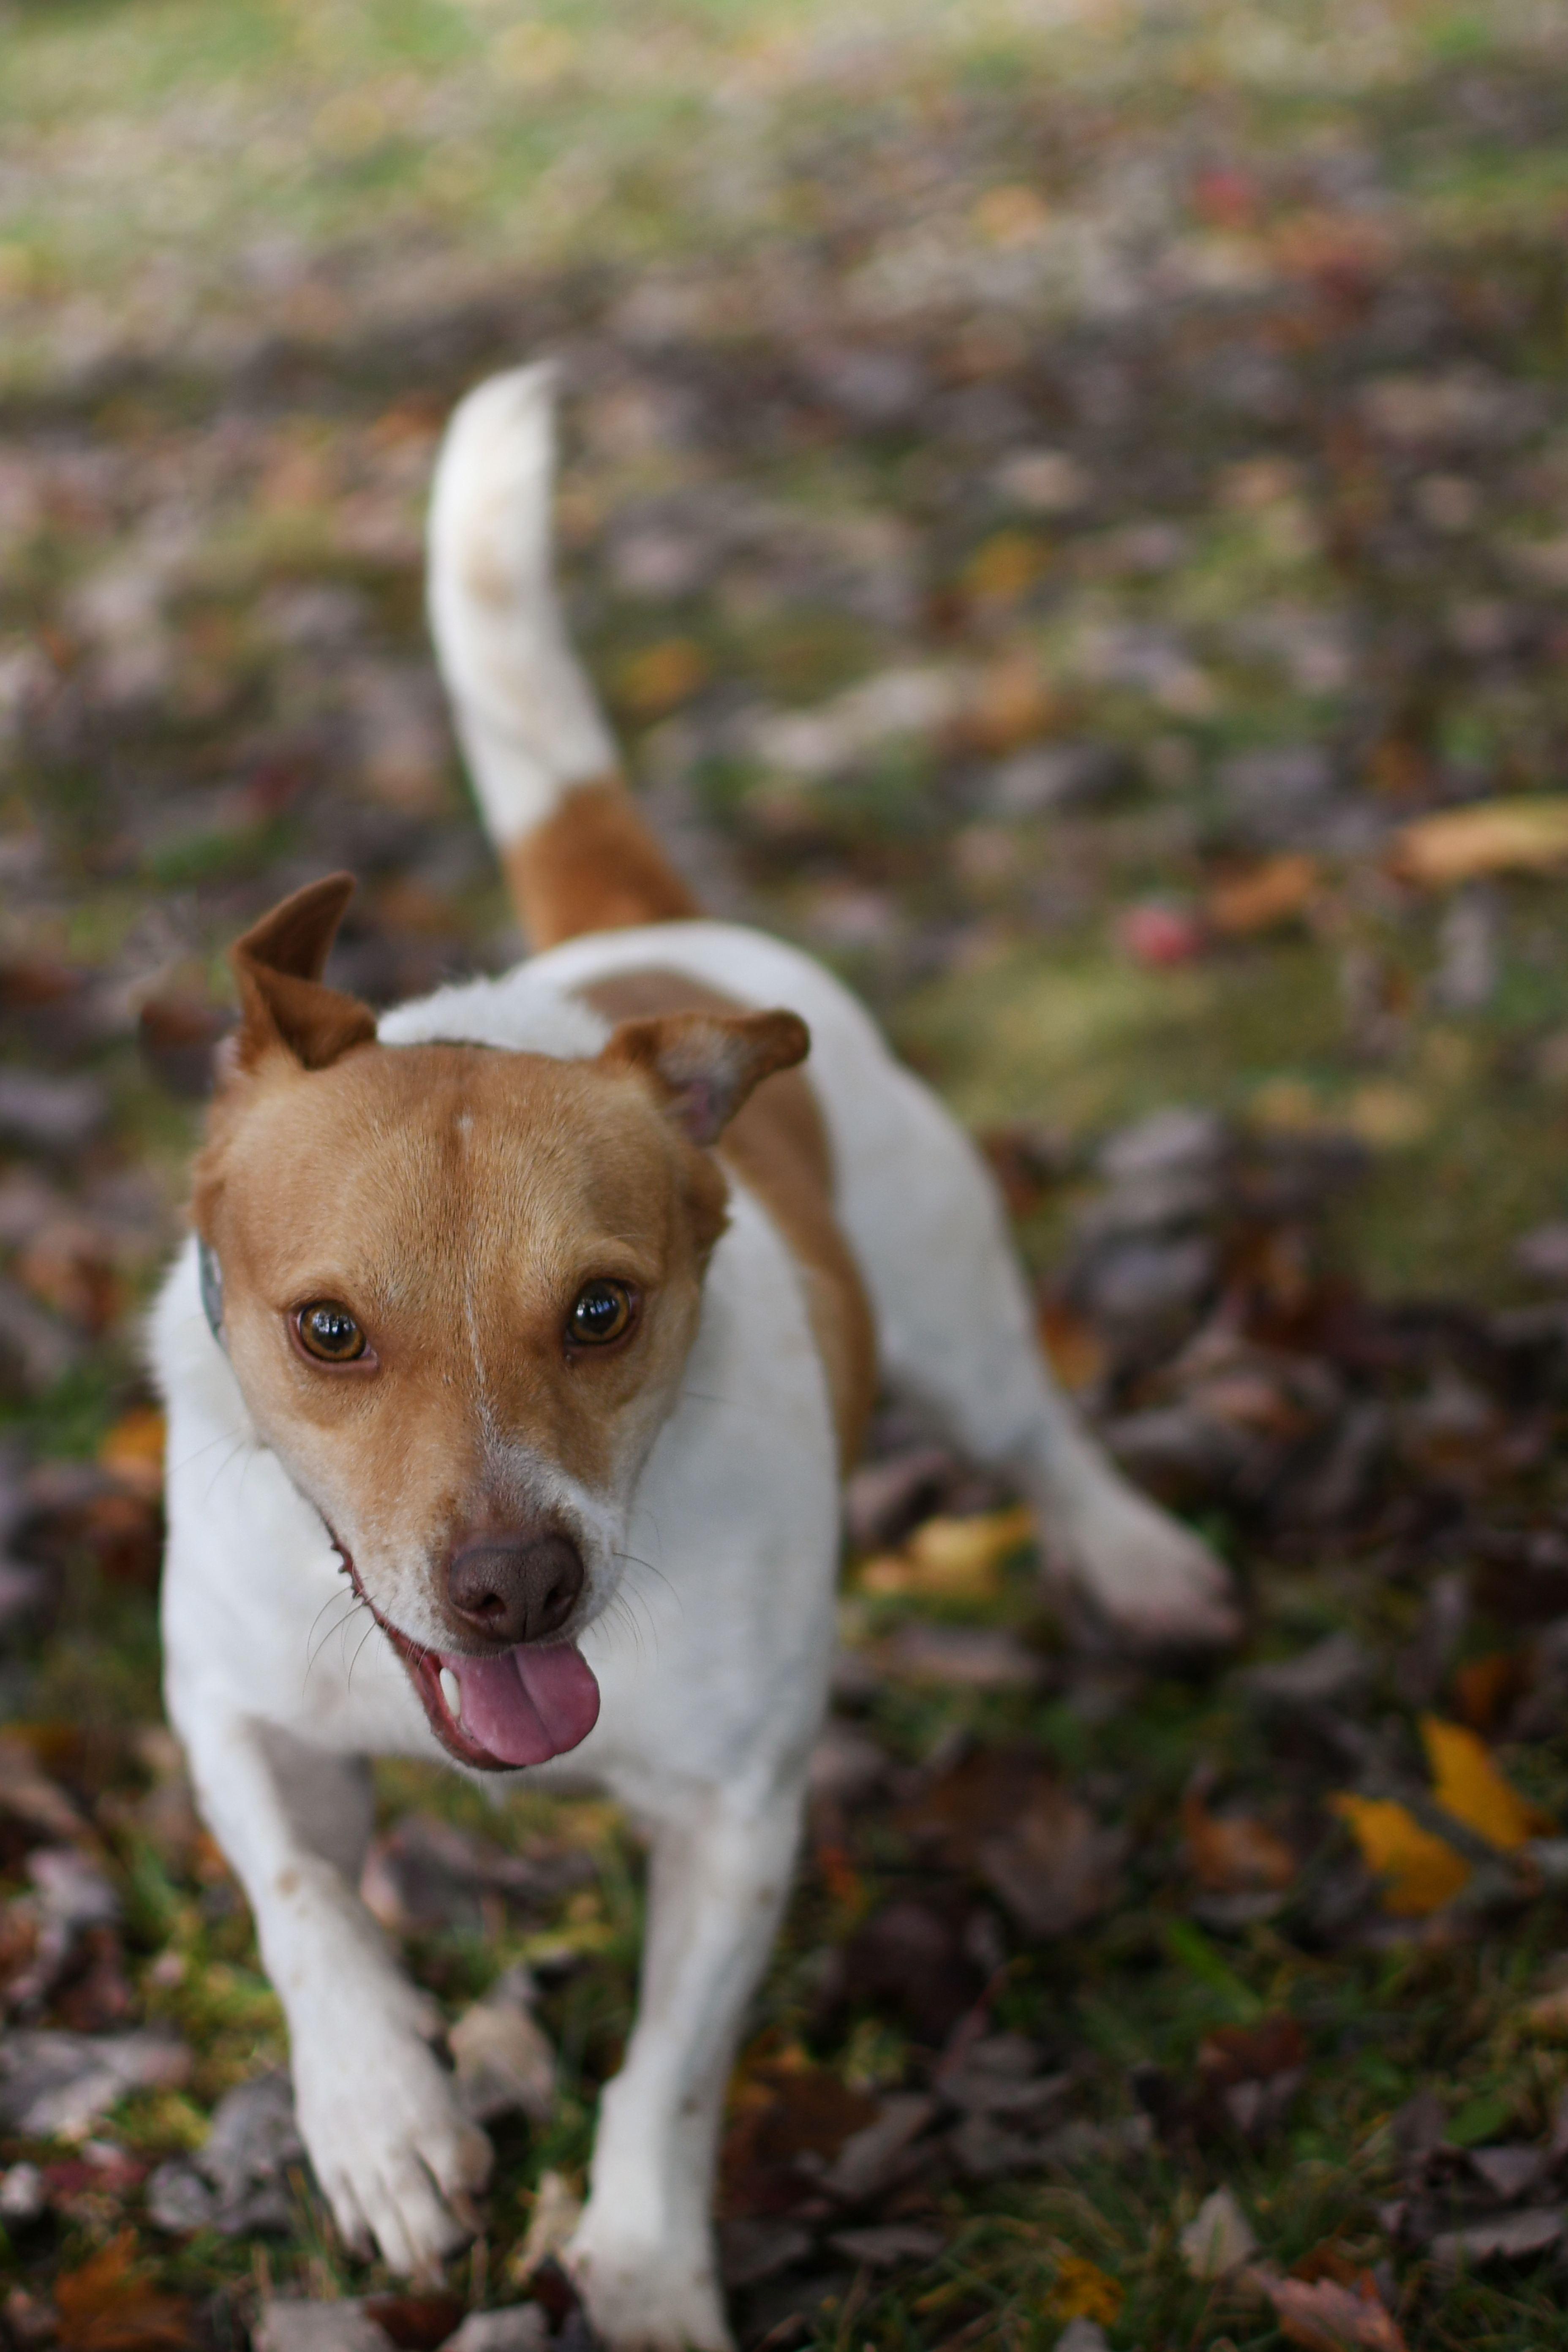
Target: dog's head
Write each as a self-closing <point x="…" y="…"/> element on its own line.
<point x="458" y="1287"/>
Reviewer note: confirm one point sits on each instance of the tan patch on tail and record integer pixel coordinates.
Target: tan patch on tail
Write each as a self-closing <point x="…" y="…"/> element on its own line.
<point x="593" y="866"/>
<point x="777" y="1146"/>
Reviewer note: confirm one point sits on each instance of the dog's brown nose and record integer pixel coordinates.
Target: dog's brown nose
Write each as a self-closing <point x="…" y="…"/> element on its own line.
<point x="515" y="1588"/>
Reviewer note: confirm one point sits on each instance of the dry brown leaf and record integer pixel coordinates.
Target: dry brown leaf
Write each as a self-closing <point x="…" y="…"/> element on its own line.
<point x="1078" y="1354"/>
<point x="1012" y="701"/>
<point x="1421" y="1871"/>
<point x="1001" y="1814"/>
<point x="1234" y="1853"/>
<point x="1243" y="2053"/>
<point x="1528" y="834"/>
<point x="1467" y="1784"/>
<point x="1273" y="893"/>
<point x="1327" y="2317"/>
<point x="1486" y="1687"/>
<point x="104" y="2306"/>
<point x="133" y="1450"/>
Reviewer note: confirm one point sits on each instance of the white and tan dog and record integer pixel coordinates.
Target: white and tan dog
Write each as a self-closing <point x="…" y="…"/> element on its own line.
<point x="538" y="1294"/>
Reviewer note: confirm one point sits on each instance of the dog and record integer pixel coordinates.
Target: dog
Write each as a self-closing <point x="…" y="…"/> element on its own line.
<point x="520" y="1300"/>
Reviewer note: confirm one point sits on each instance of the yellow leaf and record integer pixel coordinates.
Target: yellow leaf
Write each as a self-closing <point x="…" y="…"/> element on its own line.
<point x="662" y="677"/>
<point x="1467" y="1784"/>
<point x="1083" y="2290"/>
<point x="1525" y="834"/>
<point x="134" y="1449"/>
<point x="1004" y="567"/>
<point x="1423" y="1872"/>
<point x="952" y="1559"/>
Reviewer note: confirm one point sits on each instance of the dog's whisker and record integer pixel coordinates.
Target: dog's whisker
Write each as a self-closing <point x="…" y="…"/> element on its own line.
<point x="236" y="1449"/>
<point x="633" y="1560"/>
<point x="172" y="1469"/>
<point x="360" y="1652"/>
<point x="314" y="1653"/>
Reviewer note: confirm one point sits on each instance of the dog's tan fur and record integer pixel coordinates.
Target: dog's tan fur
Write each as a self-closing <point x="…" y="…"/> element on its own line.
<point x="592" y="866"/>
<point x="777" y="1145"/>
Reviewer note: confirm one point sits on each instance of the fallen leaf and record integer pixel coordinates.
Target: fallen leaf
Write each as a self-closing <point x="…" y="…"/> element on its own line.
<point x="1001" y="1814"/>
<point x="956" y="1560"/>
<point x="1548" y="2014"/>
<point x="1078" y="1354"/>
<point x="1234" y="1854"/>
<point x="1082" y="2290"/>
<point x="1011" y="701"/>
<point x="1509" y="2168"/>
<point x="33" y="1810"/>
<point x="784" y="2112"/>
<point x="1218" y="2238"/>
<point x="662" y="677"/>
<point x="1027" y="1161"/>
<point x="1254" y="2072"/>
<point x="1003" y="568"/>
<point x="1467" y="1784"/>
<point x="504" y="2059"/>
<point x="1528" y="834"/>
<point x="1421" y="1871"/>
<point x="55" y="2085"/>
<point x="104" y="2306"/>
<point x="964" y="1657"/>
<point x="1485" y="1688"/>
<point x="915" y="1955"/>
<point x="887" y="2244"/>
<point x="1155" y="933"/>
<point x="557" y="2210"/>
<point x="1328" y="2317"/>
<point x="415" y="2323"/>
<point x="133" y="1450"/>
<point x="1512" y="2238"/>
<point x="1271" y="894"/>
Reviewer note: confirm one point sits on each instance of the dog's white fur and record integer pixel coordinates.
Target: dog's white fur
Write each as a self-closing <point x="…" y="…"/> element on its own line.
<point x="712" y="1652"/>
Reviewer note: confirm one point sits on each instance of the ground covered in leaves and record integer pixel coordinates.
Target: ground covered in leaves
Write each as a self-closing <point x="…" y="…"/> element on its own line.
<point x="1068" y="502"/>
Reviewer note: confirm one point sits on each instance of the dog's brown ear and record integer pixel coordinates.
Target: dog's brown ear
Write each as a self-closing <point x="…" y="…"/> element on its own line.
<point x="706" y="1064"/>
<point x="279" y="964"/>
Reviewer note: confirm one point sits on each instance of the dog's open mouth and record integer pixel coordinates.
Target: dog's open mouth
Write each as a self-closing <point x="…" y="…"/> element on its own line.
<point x="520" y="1706"/>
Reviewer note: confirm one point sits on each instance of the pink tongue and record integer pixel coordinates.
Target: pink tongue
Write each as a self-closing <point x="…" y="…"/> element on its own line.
<point x="528" y="1704"/>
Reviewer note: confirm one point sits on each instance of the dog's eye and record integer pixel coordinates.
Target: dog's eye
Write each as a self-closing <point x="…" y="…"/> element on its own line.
<point x="330" y="1332"/>
<point x="602" y="1311"/>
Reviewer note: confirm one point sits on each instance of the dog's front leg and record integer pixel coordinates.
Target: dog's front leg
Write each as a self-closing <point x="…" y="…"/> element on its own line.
<point x="643" y="2256"/>
<point x="395" y="2156"/>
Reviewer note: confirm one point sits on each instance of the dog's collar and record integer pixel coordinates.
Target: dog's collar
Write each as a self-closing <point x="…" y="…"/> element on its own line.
<point x="211" y="1274"/>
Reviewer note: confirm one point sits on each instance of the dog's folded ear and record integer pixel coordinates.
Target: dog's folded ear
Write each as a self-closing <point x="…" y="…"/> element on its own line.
<point x="704" y="1064"/>
<point x="279" y="964"/>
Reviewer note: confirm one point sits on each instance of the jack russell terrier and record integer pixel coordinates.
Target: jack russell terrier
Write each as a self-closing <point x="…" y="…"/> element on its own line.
<point x="498" y="1302"/>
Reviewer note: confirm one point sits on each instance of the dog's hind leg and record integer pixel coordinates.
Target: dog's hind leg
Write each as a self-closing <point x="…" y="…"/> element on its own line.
<point x="956" y="1337"/>
<point x="392" y="2150"/>
<point x="643" y="2254"/>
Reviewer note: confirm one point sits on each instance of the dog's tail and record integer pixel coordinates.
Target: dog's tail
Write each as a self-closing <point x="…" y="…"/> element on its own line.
<point x="577" y="854"/>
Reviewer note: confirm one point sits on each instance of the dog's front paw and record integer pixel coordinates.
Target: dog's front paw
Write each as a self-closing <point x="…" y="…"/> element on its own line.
<point x="647" y="2298"/>
<point x="1151" y="1581"/>
<point x="397" y="2160"/>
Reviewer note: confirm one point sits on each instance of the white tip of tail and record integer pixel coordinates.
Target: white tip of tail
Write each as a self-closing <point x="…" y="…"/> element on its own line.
<point x="526" y="715"/>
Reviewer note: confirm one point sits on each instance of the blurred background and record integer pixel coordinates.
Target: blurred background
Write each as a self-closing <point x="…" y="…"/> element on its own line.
<point x="1068" y="503"/>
